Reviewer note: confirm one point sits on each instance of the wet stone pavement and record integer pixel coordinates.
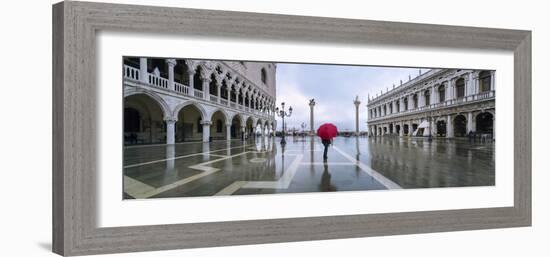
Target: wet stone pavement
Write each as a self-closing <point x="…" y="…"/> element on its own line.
<point x="262" y="166"/>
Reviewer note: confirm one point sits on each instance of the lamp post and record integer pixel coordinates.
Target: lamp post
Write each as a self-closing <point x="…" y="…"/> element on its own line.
<point x="282" y="113"/>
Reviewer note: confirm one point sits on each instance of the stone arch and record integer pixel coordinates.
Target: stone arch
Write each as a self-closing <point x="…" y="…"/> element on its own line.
<point x="459" y="124"/>
<point x="203" y="112"/>
<point x="144" y="121"/>
<point x="484" y="122"/>
<point x="163" y="105"/>
<point x="218" y="128"/>
<point x="441" y="127"/>
<point x="224" y="112"/>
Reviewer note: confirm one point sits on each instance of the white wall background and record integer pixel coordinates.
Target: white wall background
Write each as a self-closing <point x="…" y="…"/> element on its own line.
<point x="25" y="141"/>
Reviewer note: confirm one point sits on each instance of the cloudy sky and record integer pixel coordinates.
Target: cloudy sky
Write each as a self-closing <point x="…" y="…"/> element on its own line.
<point x="334" y="88"/>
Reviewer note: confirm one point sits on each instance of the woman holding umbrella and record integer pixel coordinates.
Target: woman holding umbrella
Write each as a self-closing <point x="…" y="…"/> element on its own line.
<point x="327" y="132"/>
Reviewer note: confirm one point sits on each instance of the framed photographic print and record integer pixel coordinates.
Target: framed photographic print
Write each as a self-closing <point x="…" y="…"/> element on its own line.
<point x="182" y="128"/>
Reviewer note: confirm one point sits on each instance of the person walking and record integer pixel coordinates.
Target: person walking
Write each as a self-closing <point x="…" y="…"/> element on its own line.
<point x="327" y="132"/>
<point x="326" y="143"/>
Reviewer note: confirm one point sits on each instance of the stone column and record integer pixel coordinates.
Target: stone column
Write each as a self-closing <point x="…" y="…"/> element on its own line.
<point x="433" y="95"/>
<point x="228" y="131"/>
<point x="470" y="87"/>
<point x="494" y="125"/>
<point x="170" y="130"/>
<point x="206" y="88"/>
<point x="469" y="123"/>
<point x="219" y="90"/>
<point x="410" y="128"/>
<point x="450" y="128"/>
<point x="421" y="99"/>
<point x="229" y="95"/>
<point x="206" y="131"/>
<point x="143" y="74"/>
<point x="311" y="121"/>
<point x="191" y="82"/>
<point x="243" y="134"/>
<point x="357" y="103"/>
<point x="401" y="129"/>
<point x="171" y="63"/>
<point x="449" y="90"/>
<point x="493" y="85"/>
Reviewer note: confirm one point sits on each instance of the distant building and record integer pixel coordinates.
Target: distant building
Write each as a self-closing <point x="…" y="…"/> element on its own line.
<point x="168" y="101"/>
<point x="441" y="102"/>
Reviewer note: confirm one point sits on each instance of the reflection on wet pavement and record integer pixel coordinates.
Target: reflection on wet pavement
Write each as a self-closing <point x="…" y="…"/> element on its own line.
<point x="264" y="167"/>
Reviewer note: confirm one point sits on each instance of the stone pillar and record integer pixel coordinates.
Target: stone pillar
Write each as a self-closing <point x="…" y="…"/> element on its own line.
<point x="410" y="102"/>
<point x="229" y="95"/>
<point x="470" y="87"/>
<point x="191" y="81"/>
<point x="243" y="134"/>
<point x="469" y="123"/>
<point x="357" y="103"/>
<point x="143" y="74"/>
<point x="206" y="131"/>
<point x="171" y="63"/>
<point x="493" y="85"/>
<point x="433" y="95"/>
<point x="410" y="128"/>
<point x="450" y="128"/>
<point x="311" y="121"/>
<point x="263" y="127"/>
<point x="449" y="90"/>
<point x="170" y="131"/>
<point x="206" y="88"/>
<point x="494" y="125"/>
<point x="219" y="90"/>
<point x="401" y="129"/>
<point x="228" y="131"/>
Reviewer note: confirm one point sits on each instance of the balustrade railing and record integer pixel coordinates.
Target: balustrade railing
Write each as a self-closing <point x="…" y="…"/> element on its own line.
<point x="232" y="104"/>
<point x="180" y="88"/>
<point x="198" y="93"/>
<point x="131" y="72"/>
<point x="223" y="101"/>
<point x="158" y="81"/>
<point x="213" y="98"/>
<point x="456" y="101"/>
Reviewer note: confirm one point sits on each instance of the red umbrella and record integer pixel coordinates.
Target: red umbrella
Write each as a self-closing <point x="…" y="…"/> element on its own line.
<point x="327" y="131"/>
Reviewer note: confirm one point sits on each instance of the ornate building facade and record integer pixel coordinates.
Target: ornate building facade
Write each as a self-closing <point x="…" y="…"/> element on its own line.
<point x="441" y="103"/>
<point x="168" y="101"/>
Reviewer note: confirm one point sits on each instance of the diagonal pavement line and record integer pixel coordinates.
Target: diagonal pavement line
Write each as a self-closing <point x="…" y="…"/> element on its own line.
<point x="232" y="188"/>
<point x="201" y="166"/>
<point x="379" y="177"/>
<point x="135" y="188"/>
<point x="178" y="157"/>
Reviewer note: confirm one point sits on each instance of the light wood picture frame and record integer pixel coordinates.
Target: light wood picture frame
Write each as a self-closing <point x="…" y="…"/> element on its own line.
<point x="75" y="25"/>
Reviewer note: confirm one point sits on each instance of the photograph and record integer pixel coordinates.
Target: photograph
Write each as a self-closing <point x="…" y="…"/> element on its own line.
<point x="204" y="127"/>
